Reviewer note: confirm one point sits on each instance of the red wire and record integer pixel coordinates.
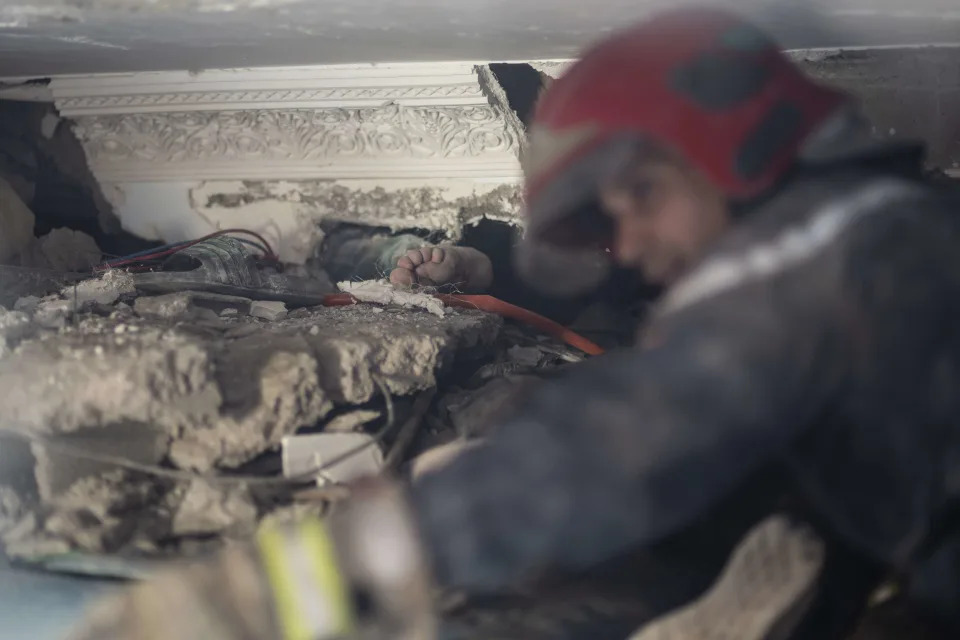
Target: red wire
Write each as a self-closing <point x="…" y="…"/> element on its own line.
<point x="270" y="255"/>
<point x="501" y="308"/>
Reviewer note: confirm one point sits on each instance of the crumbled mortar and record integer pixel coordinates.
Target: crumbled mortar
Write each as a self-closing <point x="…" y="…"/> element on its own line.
<point x="172" y="390"/>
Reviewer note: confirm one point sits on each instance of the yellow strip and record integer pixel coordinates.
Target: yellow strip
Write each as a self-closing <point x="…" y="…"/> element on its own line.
<point x="272" y="544"/>
<point x="323" y="562"/>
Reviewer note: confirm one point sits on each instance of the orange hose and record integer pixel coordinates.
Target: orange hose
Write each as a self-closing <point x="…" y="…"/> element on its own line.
<point x="501" y="308"/>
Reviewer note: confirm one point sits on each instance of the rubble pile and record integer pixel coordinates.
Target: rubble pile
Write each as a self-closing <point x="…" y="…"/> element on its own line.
<point x="152" y="424"/>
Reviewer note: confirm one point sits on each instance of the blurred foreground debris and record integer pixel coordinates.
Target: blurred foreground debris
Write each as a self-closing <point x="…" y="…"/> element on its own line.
<point x="149" y="426"/>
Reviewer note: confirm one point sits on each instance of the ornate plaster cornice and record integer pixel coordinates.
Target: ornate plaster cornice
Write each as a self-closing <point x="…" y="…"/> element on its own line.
<point x="360" y="121"/>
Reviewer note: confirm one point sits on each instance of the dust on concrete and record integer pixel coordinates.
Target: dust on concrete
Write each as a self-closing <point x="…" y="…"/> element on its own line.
<point x="383" y="293"/>
<point x="204" y="396"/>
<point x="106" y="289"/>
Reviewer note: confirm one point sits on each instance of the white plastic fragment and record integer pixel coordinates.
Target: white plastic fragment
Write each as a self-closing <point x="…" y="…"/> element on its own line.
<point x="303" y="455"/>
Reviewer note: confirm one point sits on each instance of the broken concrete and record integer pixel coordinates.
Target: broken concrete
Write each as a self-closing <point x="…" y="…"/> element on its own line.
<point x="155" y="387"/>
<point x="14" y="326"/>
<point x="207" y="508"/>
<point x="106" y="289"/>
<point x="62" y="250"/>
<point x="26" y="304"/>
<point x="268" y="309"/>
<point x="16" y="224"/>
<point x="211" y="400"/>
<point x="52" y="312"/>
<point x="59" y="466"/>
<point x="183" y="304"/>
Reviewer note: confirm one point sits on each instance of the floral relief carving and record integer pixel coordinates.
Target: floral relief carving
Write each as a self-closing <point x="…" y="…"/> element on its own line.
<point x="297" y="135"/>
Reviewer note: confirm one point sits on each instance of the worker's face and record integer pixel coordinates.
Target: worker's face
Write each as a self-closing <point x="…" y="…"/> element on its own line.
<point x="666" y="216"/>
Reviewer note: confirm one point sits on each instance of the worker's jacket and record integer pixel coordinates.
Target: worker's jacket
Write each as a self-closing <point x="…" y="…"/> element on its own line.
<point x="820" y="337"/>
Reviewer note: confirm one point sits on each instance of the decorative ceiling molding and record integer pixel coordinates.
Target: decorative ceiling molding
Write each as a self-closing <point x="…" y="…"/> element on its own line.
<point x="363" y="121"/>
<point x="267" y="88"/>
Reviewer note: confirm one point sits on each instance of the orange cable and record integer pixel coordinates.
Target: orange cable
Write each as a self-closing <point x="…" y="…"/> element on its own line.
<point x="501" y="308"/>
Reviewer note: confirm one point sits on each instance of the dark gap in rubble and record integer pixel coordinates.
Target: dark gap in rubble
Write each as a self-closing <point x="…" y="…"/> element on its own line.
<point x="46" y="166"/>
<point x="522" y="84"/>
<point x="357" y="251"/>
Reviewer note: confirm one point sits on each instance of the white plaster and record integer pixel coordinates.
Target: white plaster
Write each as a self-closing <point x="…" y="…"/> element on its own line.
<point x="163" y="211"/>
<point x="288" y="212"/>
<point x="343" y="122"/>
<point x="383" y="292"/>
<point x="277" y="150"/>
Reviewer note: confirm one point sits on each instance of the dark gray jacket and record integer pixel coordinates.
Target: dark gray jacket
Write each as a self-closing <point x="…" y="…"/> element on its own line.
<point x="821" y="339"/>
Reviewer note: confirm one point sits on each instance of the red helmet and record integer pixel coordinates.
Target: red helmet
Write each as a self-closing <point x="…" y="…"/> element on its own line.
<point x="700" y="82"/>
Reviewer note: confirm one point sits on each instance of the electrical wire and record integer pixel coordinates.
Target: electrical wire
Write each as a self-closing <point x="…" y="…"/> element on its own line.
<point x="72" y="450"/>
<point x="491" y="304"/>
<point x="169" y="249"/>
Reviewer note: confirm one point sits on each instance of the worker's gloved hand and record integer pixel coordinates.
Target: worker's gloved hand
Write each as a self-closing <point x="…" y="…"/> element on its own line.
<point x="469" y="270"/>
<point x="358" y="574"/>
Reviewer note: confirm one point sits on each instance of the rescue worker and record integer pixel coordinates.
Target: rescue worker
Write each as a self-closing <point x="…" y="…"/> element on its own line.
<point x="786" y="435"/>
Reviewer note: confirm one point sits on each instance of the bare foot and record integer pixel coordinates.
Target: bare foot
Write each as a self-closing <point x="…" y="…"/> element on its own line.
<point x="463" y="267"/>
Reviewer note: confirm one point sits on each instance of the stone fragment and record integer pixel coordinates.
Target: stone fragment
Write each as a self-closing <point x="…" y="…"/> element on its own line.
<point x="16" y="224"/>
<point x="268" y="309"/>
<point x="14" y="326"/>
<point x="52" y="312"/>
<point x="62" y="250"/>
<point x="189" y="304"/>
<point x="209" y="508"/>
<point x="382" y="292"/>
<point x="350" y="456"/>
<point x="61" y="464"/>
<point x="106" y="289"/>
<point x="404" y="349"/>
<point x="171" y="305"/>
<point x="27" y="304"/>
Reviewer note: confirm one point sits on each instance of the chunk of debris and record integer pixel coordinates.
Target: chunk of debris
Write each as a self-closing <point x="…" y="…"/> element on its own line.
<point x="209" y="508"/>
<point x="268" y="309"/>
<point x="16" y="223"/>
<point x="165" y="396"/>
<point x="186" y="303"/>
<point x="26" y="304"/>
<point x="14" y="326"/>
<point x="63" y="250"/>
<point x="62" y="462"/>
<point x="333" y="458"/>
<point x="52" y="312"/>
<point x="106" y="289"/>
<point x="382" y="292"/>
